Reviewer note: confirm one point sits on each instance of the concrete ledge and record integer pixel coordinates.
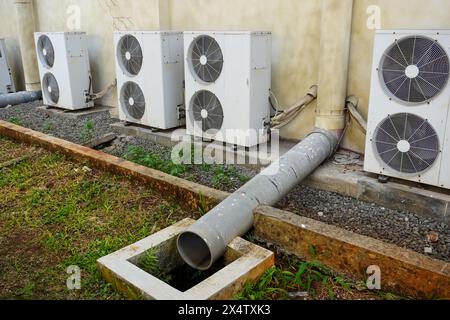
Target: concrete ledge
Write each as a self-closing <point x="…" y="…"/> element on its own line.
<point x="73" y="114"/>
<point x="190" y="194"/>
<point x="402" y="271"/>
<point x="244" y="262"/>
<point x="427" y="201"/>
<point x="246" y="156"/>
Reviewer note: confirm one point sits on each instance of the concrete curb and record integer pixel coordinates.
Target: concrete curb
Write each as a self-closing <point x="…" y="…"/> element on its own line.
<point x="402" y="271"/>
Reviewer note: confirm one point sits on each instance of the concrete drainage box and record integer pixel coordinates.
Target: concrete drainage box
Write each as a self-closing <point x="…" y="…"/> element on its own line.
<point x="171" y="279"/>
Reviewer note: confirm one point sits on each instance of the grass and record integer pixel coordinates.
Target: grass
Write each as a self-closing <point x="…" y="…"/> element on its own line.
<point x="48" y="126"/>
<point x="16" y="121"/>
<point x="152" y="160"/>
<point x="55" y="215"/>
<point x="88" y="131"/>
<point x="222" y="177"/>
<point x="312" y="278"/>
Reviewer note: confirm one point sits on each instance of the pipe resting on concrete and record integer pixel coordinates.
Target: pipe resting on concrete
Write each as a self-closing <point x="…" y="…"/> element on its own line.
<point x="205" y="241"/>
<point x="19" y="97"/>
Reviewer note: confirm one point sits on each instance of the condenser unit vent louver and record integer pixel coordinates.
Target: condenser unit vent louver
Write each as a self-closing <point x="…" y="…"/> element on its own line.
<point x="130" y="55"/>
<point x="133" y="100"/>
<point x="407" y="143"/>
<point x="415" y="69"/>
<point x="206" y="59"/>
<point x="46" y="51"/>
<point x="207" y="111"/>
<point x="51" y="87"/>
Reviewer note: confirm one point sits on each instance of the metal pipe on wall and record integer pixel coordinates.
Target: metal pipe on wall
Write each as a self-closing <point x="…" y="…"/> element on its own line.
<point x="26" y="26"/>
<point x="205" y="241"/>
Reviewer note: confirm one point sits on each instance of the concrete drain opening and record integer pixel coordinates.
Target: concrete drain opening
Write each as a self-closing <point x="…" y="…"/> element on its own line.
<point x="153" y="269"/>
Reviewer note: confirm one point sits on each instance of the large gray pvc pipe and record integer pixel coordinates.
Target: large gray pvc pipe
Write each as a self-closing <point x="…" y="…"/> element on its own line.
<point x="19" y="97"/>
<point x="206" y="240"/>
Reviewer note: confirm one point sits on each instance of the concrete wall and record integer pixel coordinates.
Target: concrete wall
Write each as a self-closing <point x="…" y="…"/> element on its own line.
<point x="295" y="25"/>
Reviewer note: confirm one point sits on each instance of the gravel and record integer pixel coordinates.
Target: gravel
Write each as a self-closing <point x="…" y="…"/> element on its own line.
<point x="77" y="131"/>
<point x="404" y="229"/>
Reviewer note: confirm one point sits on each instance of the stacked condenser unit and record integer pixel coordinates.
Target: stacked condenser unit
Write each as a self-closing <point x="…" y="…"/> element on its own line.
<point x="149" y="67"/>
<point x="64" y="69"/>
<point x="228" y="78"/>
<point x="6" y="81"/>
<point x="409" y="124"/>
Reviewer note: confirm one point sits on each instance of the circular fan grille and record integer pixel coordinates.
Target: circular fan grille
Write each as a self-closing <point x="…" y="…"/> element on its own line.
<point x="46" y="51"/>
<point x="130" y="55"/>
<point x="206" y="59"/>
<point x="415" y="69"/>
<point x="207" y="110"/>
<point x="50" y="87"/>
<point x="407" y="143"/>
<point x="133" y="100"/>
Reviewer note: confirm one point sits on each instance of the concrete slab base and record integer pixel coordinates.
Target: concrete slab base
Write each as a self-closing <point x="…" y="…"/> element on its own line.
<point x="73" y="114"/>
<point x="244" y="262"/>
<point x="257" y="156"/>
<point x="352" y="181"/>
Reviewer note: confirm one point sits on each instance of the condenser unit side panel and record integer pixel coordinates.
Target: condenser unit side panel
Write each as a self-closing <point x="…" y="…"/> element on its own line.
<point x="173" y="78"/>
<point x="79" y="70"/>
<point x="151" y="80"/>
<point x="236" y="92"/>
<point x="260" y="84"/>
<point x="6" y="81"/>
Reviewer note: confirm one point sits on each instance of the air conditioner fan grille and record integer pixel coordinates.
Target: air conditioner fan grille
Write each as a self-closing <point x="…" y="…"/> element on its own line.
<point x="207" y="111"/>
<point x="130" y="55"/>
<point x="407" y="143"/>
<point x="46" y="51"/>
<point x="206" y="58"/>
<point x="133" y="100"/>
<point x="415" y="69"/>
<point x="50" y="87"/>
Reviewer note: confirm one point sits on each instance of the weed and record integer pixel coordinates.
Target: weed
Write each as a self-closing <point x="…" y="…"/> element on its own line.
<point x="140" y="156"/>
<point x="16" y="121"/>
<point x="88" y="131"/>
<point x="202" y="205"/>
<point x="310" y="277"/>
<point x="224" y="176"/>
<point x="48" y="126"/>
<point x="27" y="291"/>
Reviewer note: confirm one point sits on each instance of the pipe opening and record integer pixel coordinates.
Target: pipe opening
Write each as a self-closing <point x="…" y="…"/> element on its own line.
<point x="194" y="251"/>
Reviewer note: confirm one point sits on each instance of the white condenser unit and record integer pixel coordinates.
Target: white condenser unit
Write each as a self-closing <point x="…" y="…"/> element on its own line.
<point x="6" y="81"/>
<point x="64" y="69"/>
<point x="228" y="79"/>
<point x="408" y="123"/>
<point x="149" y="66"/>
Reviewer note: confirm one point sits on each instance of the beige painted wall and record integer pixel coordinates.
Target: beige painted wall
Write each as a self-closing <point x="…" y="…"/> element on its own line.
<point x="295" y="25"/>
